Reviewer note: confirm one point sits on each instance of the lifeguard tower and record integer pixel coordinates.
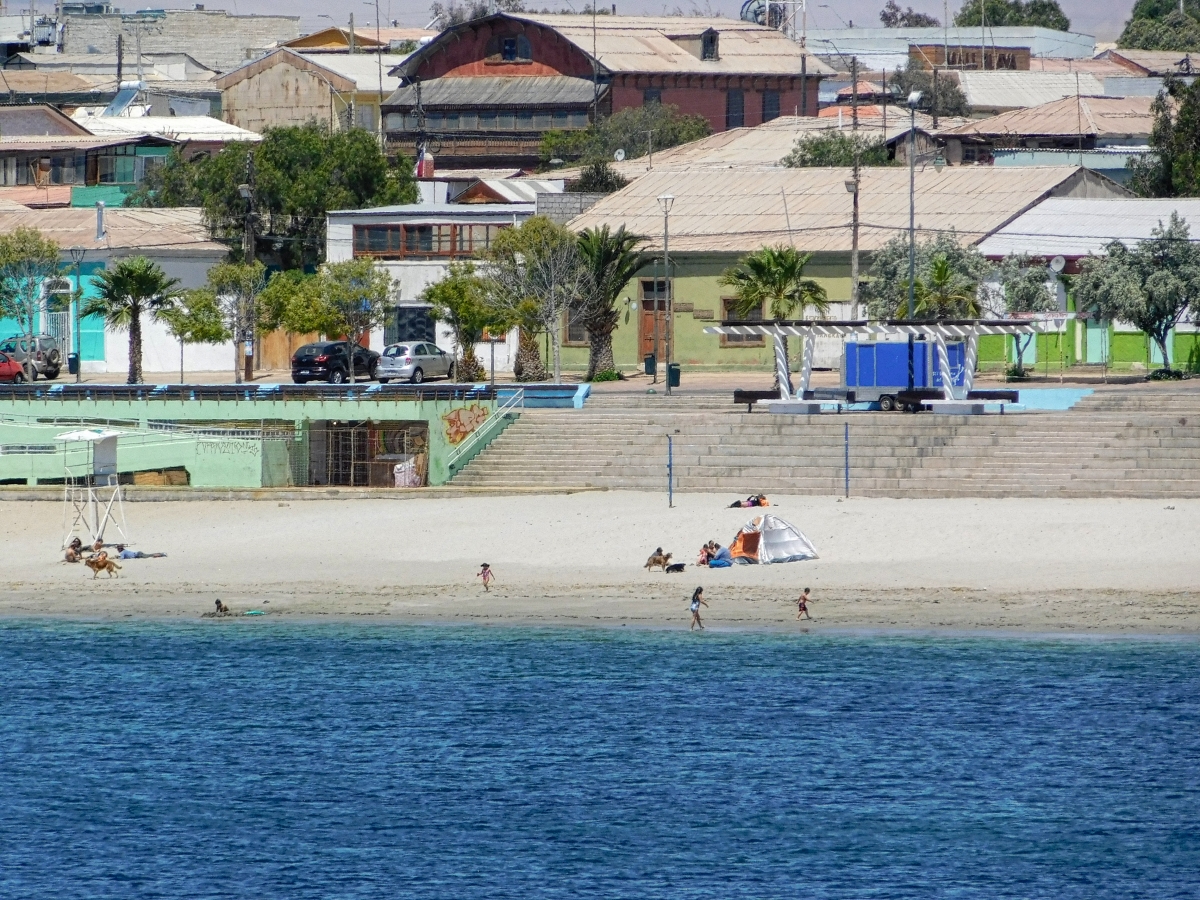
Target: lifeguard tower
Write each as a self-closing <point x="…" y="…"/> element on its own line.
<point x="92" y="488"/>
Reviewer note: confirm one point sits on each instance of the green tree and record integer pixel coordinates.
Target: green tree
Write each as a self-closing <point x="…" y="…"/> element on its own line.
<point x="1173" y="169"/>
<point x="195" y="317"/>
<point x="132" y="288"/>
<point x="299" y="174"/>
<point x="1034" y="13"/>
<point x="28" y="260"/>
<point x="1174" y="32"/>
<point x="837" y="148"/>
<point x="537" y="278"/>
<point x="1024" y="288"/>
<point x="885" y="291"/>
<point x="612" y="260"/>
<point x="1152" y="285"/>
<point x="235" y="288"/>
<point x="893" y="17"/>
<point x="454" y="13"/>
<point x="598" y="178"/>
<point x="636" y="130"/>
<point x="951" y="101"/>
<point x="943" y="293"/>
<point x="343" y="300"/>
<point x="460" y="301"/>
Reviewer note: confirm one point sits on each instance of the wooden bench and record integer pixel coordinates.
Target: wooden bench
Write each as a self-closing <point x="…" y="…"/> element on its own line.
<point x="752" y="397"/>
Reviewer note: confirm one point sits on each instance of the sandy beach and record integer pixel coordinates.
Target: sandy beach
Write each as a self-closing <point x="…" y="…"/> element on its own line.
<point x="1032" y="566"/>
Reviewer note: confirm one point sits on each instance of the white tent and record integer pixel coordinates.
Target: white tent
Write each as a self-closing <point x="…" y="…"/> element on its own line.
<point x="769" y="539"/>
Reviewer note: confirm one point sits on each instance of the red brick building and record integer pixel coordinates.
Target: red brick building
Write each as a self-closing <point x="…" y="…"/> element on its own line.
<point x="489" y="88"/>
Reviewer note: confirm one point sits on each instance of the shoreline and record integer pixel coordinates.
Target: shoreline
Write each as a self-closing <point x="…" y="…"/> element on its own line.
<point x="1021" y="566"/>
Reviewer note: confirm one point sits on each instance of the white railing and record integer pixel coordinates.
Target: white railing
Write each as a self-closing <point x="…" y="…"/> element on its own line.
<point x="466" y="451"/>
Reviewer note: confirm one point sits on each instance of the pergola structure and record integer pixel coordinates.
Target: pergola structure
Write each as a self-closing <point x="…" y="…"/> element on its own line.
<point x="967" y="330"/>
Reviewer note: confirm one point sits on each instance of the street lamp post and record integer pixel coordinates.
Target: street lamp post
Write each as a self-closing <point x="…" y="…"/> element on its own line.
<point x="665" y="202"/>
<point x="77" y="255"/>
<point x="913" y="99"/>
<point x="244" y="335"/>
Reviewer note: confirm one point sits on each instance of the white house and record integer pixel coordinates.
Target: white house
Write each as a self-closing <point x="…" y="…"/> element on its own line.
<point x="416" y="242"/>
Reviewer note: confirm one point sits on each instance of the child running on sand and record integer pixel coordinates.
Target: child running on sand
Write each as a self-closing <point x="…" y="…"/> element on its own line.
<point x="485" y="572"/>
<point x="802" y="606"/>
<point x="697" y="599"/>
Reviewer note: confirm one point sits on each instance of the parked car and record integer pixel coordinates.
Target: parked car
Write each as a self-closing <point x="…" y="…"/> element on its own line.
<point x="414" y="362"/>
<point x="11" y="371"/>
<point x="47" y="360"/>
<point x="326" y="361"/>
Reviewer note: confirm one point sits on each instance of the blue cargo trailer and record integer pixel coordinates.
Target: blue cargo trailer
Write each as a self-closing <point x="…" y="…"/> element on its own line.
<point x="875" y="371"/>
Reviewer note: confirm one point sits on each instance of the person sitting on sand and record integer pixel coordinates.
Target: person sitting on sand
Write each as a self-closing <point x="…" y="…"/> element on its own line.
<point x="702" y="559"/>
<point x="697" y="599"/>
<point x="721" y="558"/>
<point x="222" y="609"/>
<point x="485" y="572"/>
<point x="802" y="606"/>
<point x="122" y="553"/>
<point x="74" y="551"/>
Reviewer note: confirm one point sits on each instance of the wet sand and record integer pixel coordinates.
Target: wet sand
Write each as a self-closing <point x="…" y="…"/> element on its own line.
<point x="1107" y="566"/>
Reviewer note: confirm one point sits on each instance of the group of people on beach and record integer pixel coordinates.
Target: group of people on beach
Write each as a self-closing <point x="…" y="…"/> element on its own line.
<point x="76" y="553"/>
<point x="714" y="556"/>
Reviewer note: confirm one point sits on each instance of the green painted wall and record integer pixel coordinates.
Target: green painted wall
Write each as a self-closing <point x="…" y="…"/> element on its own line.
<point x="269" y="468"/>
<point x="112" y="194"/>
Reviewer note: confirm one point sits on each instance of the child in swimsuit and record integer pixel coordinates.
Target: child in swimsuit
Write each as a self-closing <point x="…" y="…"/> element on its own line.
<point x="697" y="599"/>
<point x="485" y="572"/>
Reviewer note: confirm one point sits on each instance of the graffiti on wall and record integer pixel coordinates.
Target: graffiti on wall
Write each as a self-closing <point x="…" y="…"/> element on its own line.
<point x="461" y="422"/>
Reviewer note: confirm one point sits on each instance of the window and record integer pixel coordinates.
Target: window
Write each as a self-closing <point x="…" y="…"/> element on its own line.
<point x="735" y="109"/>
<point x="364" y="116"/>
<point x="770" y="105"/>
<point x="487" y="120"/>
<point x="651" y="96"/>
<point x="575" y="335"/>
<point x="423" y="241"/>
<point x="740" y="340"/>
<point x="708" y="45"/>
<point x="514" y="48"/>
<point x="508" y="50"/>
<point x="654" y="294"/>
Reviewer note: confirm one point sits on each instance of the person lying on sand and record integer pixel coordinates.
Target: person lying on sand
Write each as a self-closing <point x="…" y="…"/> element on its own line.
<point x="122" y="553"/>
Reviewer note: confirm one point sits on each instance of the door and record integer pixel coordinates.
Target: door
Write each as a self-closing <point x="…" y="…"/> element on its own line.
<point x="1097" y="341"/>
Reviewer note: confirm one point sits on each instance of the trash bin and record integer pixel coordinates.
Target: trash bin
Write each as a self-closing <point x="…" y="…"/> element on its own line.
<point x="651" y="364"/>
<point x="672" y="374"/>
<point x="73" y="363"/>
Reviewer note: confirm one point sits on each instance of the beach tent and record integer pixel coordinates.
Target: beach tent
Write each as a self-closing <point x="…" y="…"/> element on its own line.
<point x="769" y="539"/>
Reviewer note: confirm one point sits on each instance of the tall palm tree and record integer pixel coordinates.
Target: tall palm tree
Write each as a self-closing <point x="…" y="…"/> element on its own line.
<point x="774" y="277"/>
<point x="126" y="291"/>
<point x="612" y="259"/>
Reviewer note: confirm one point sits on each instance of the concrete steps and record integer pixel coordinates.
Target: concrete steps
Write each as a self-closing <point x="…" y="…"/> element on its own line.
<point x="1143" y="443"/>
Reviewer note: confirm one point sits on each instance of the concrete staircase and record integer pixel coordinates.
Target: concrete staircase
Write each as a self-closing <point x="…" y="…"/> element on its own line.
<point x="1141" y="442"/>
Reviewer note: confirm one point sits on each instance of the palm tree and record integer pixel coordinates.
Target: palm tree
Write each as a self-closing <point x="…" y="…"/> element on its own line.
<point x="774" y="277"/>
<point x="612" y="259"/>
<point x="126" y="291"/>
<point x="944" y="294"/>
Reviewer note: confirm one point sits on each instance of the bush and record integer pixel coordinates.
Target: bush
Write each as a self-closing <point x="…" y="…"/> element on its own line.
<point x="1016" y="373"/>
<point x="607" y="375"/>
<point x="1167" y="375"/>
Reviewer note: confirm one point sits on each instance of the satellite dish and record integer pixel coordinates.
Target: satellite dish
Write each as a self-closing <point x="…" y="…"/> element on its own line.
<point x="619" y="156"/>
<point x="1058" y="264"/>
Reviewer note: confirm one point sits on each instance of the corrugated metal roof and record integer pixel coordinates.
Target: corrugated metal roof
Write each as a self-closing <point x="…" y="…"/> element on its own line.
<point x="1066" y="226"/>
<point x="762" y="145"/>
<point x="178" y="230"/>
<point x="1099" y="116"/>
<point x="440" y="212"/>
<point x="68" y="142"/>
<point x="644" y="44"/>
<point x="361" y="68"/>
<point x="1155" y="62"/>
<point x="533" y="90"/>
<point x="175" y="128"/>
<point x="521" y="190"/>
<point x="745" y="209"/>
<point x="17" y="81"/>
<point x="1015" y="90"/>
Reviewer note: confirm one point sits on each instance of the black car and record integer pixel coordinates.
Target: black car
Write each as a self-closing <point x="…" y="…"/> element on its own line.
<point x="326" y="361"/>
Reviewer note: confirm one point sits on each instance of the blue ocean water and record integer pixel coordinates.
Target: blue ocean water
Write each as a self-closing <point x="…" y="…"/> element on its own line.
<point x="270" y="760"/>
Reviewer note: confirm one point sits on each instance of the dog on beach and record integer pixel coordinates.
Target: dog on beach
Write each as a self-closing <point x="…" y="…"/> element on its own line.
<point x="658" y="558"/>
<point x="675" y="568"/>
<point x="101" y="563"/>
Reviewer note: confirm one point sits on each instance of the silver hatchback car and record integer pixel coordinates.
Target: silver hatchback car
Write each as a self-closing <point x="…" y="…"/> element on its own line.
<point x="413" y="362"/>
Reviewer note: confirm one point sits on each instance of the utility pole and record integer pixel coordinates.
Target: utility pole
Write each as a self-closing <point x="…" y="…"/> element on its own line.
<point x="857" y="166"/>
<point x="245" y="334"/>
<point x="120" y="59"/>
<point x="913" y="99"/>
<point x="379" y="60"/>
<point x="665" y="202"/>
<point x="351" y="36"/>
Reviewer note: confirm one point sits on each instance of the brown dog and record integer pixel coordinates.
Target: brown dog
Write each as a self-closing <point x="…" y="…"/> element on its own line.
<point x="101" y="563"/>
<point x="658" y="558"/>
